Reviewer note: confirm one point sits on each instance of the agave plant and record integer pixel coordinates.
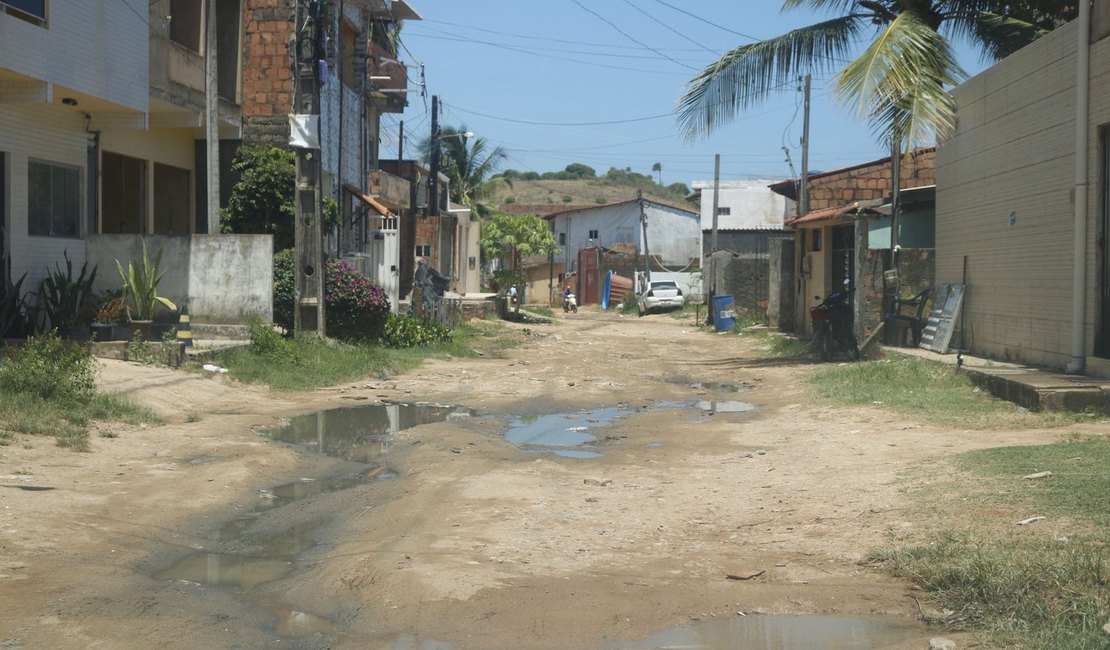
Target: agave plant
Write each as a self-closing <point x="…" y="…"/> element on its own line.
<point x="13" y="308"/>
<point x="140" y="286"/>
<point x="66" y="300"/>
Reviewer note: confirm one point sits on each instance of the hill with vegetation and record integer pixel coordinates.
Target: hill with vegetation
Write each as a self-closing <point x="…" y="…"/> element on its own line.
<point x="580" y="184"/>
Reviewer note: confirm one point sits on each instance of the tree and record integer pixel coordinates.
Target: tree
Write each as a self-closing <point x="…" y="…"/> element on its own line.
<point x="469" y="166"/>
<point x="658" y="167"/>
<point x="513" y="237"/>
<point x="578" y="170"/>
<point x="899" y="83"/>
<point x="262" y="199"/>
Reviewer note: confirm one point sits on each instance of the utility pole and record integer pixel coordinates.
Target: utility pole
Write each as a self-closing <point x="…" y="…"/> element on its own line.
<point x="433" y="182"/>
<point x="643" y="224"/>
<point x="311" y="70"/>
<point x="211" y="120"/>
<point x="803" y="195"/>
<point x="895" y="190"/>
<point x="400" y="143"/>
<point x="713" y="238"/>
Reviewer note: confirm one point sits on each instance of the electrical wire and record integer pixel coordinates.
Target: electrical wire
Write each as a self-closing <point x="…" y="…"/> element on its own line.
<point x="671" y="29"/>
<point x="452" y="36"/>
<point x="549" y="56"/>
<point x="707" y="22"/>
<point x="629" y="36"/>
<point x="549" y="39"/>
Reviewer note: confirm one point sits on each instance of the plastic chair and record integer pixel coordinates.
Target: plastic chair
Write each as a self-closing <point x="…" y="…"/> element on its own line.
<point x="915" y="321"/>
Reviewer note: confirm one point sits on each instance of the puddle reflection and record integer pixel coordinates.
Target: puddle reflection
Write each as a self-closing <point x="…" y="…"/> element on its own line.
<point x="361" y="433"/>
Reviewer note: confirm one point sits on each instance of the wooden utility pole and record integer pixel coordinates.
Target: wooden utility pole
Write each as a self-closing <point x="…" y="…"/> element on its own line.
<point x="713" y="237"/>
<point x="311" y="71"/>
<point x="803" y="195"/>
<point x="211" y="120"/>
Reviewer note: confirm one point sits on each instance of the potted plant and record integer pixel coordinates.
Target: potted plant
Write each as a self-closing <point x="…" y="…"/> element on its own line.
<point x="140" y="291"/>
<point x="110" y="316"/>
<point x="68" y="302"/>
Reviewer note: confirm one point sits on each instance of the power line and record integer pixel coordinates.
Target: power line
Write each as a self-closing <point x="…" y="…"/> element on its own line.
<point x="463" y="39"/>
<point x="629" y="36"/>
<point x="672" y="29"/>
<point x="548" y="56"/>
<point x="707" y="22"/>
<point x="546" y="38"/>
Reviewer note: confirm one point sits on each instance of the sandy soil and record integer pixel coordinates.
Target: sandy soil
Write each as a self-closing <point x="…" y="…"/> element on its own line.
<point x="475" y="543"/>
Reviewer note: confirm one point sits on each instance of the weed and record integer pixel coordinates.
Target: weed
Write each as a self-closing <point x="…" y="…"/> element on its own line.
<point x="47" y="388"/>
<point x="108" y="433"/>
<point x="192" y="416"/>
<point x="540" y="310"/>
<point x="410" y="332"/>
<point x="774" y="344"/>
<point x="923" y="389"/>
<point x="308" y="363"/>
<point x="167" y="352"/>
<point x="1042" y="586"/>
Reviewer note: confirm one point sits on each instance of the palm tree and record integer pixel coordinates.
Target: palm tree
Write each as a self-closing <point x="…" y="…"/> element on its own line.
<point x="899" y="83"/>
<point x="469" y="165"/>
<point x="658" y="167"/>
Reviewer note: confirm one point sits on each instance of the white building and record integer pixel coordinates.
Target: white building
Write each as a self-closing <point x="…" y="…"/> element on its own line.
<point x="749" y="214"/>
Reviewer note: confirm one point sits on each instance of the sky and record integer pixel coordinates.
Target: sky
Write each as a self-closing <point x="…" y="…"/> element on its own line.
<point x="555" y="82"/>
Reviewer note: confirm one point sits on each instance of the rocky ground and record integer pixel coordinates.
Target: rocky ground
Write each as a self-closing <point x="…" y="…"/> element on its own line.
<point x="447" y="535"/>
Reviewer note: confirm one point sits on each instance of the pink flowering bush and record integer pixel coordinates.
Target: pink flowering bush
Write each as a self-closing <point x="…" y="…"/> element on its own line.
<point x="356" y="308"/>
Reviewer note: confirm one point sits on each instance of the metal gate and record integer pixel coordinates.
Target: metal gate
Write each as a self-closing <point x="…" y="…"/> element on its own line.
<point x="383" y="254"/>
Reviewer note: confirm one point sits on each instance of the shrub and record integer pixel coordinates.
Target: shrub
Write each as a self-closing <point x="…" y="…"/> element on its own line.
<point x="267" y="342"/>
<point x="409" y="332"/>
<point x="356" y="308"/>
<point x="49" y="368"/>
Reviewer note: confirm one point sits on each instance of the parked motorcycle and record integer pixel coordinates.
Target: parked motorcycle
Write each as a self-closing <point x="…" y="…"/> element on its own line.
<point x="570" y="303"/>
<point x="832" y="326"/>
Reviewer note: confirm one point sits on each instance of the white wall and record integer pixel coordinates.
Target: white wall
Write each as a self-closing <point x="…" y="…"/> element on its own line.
<point x="100" y="49"/>
<point x="673" y="234"/>
<point x="751" y="204"/>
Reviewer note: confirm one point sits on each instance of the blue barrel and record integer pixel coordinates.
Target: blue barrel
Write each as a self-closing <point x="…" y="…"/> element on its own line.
<point x="724" y="312"/>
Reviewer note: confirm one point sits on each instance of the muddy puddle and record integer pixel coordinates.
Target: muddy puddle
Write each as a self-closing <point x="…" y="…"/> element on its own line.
<point x="361" y="433"/>
<point x="577" y="434"/>
<point x="781" y="632"/>
<point x="705" y="385"/>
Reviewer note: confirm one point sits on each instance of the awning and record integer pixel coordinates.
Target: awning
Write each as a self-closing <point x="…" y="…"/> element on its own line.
<point x="369" y="200"/>
<point x="828" y="214"/>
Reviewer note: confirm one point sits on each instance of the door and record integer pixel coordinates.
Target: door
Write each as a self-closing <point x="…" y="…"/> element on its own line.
<point x="1102" y="327"/>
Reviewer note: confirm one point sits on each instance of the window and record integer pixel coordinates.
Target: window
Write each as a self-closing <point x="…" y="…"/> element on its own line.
<point x="424" y="250"/>
<point x="816" y="240"/>
<point x="723" y="211"/>
<point x="53" y="200"/>
<point x="123" y="192"/>
<point x="33" y="11"/>
<point x="593" y="235"/>
<point x="185" y="23"/>
<point x="562" y="239"/>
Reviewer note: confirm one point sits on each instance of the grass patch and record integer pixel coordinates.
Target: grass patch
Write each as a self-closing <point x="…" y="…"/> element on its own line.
<point x="47" y="387"/>
<point x="928" y="391"/>
<point x="307" y="363"/>
<point x="1046" y="585"/>
<point x="773" y="343"/>
<point x="539" y="310"/>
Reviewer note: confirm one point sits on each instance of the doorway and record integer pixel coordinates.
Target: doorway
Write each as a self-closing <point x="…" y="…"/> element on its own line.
<point x="1102" y="327"/>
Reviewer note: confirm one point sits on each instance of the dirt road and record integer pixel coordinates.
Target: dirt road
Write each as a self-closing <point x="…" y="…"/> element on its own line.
<point x="688" y="515"/>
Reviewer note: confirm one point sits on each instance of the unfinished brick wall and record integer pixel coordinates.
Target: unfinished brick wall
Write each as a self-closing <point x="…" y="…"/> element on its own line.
<point x="868" y="182"/>
<point x="267" y="71"/>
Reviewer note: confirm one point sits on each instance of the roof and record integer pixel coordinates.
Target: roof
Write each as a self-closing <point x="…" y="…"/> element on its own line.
<point x="831" y="214"/>
<point x="626" y="201"/>
<point x="369" y="200"/>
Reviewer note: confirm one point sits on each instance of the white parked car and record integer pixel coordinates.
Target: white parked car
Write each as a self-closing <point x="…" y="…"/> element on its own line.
<point x="660" y="295"/>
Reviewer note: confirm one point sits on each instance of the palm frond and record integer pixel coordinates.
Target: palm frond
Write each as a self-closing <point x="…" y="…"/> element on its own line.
<point x="746" y="75"/>
<point x="834" y="6"/>
<point x="893" y="82"/>
<point x="999" y="36"/>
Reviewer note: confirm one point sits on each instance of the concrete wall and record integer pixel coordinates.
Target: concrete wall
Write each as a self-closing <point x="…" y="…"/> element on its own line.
<point x="224" y="279"/>
<point x="1004" y="200"/>
<point x="781" y="285"/>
